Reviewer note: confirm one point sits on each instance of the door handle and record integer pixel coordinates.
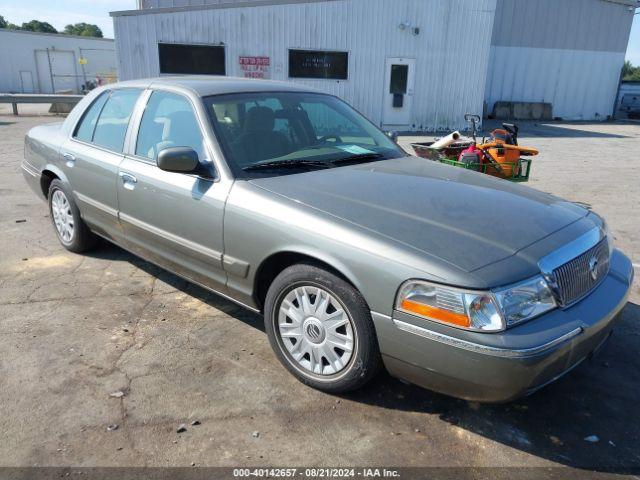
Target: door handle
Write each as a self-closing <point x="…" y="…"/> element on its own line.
<point x="128" y="180"/>
<point x="70" y="159"/>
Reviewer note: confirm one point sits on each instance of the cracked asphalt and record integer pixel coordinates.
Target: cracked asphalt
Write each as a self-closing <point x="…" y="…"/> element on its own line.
<point x="74" y="329"/>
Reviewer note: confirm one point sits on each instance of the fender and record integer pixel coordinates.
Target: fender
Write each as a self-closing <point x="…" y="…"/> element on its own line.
<point x="317" y="254"/>
<point x="57" y="172"/>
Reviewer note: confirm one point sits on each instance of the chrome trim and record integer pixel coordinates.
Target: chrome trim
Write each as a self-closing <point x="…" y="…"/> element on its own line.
<point x="571" y="250"/>
<point x="566" y="304"/>
<point x="70" y="159"/>
<point x="183" y="242"/>
<point x="484" y="349"/>
<point x="564" y="255"/>
<point x="95" y="204"/>
<point x="30" y="169"/>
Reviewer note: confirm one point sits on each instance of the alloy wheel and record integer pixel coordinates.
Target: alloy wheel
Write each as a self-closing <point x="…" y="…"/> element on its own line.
<point x="62" y="216"/>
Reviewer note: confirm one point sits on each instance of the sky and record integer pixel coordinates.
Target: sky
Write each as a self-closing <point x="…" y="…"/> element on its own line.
<point x="62" y="12"/>
<point x="633" y="49"/>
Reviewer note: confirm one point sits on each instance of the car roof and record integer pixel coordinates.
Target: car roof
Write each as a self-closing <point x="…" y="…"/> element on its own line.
<point x="205" y="85"/>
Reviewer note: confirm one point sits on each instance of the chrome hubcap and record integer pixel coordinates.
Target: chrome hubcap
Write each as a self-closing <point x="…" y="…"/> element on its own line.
<point x="62" y="216"/>
<point x="315" y="330"/>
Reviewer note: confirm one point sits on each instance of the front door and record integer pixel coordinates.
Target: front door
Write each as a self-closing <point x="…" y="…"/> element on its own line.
<point x="398" y="93"/>
<point x="172" y="219"/>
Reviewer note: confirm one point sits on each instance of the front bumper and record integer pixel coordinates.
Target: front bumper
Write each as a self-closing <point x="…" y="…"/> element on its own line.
<point x="503" y="366"/>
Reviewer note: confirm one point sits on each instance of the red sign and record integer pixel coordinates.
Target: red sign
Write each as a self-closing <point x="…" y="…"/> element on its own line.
<point x="255" y="67"/>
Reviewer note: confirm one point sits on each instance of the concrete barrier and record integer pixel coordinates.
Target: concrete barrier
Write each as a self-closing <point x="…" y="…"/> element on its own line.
<point x="522" y="111"/>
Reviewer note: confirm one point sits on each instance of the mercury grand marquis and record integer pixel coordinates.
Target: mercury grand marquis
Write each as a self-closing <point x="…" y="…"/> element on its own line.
<point x="290" y="203"/>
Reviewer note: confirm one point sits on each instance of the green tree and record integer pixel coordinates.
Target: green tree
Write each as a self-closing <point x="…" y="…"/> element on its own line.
<point x="3" y="22"/>
<point x="38" y="26"/>
<point x="630" y="73"/>
<point x="83" y="29"/>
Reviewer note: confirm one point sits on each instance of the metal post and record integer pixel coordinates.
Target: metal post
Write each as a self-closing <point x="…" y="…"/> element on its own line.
<point x="15" y="108"/>
<point x="53" y="87"/>
<point x="84" y="72"/>
<point x="75" y="72"/>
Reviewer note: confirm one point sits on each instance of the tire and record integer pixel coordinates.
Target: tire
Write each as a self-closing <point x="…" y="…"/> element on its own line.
<point x="73" y="233"/>
<point x="326" y="335"/>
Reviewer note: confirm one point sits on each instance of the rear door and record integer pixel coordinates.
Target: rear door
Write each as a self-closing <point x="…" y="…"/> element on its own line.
<point x="91" y="156"/>
<point x="172" y="219"/>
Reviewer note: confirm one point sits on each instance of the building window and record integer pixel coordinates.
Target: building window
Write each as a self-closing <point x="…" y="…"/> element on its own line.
<point x="318" y="64"/>
<point x="191" y="59"/>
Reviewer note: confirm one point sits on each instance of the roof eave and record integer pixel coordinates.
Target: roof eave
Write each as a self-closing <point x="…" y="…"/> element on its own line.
<point x="217" y="6"/>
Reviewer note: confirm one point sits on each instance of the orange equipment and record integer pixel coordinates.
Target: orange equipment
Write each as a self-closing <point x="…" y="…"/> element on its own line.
<point x="502" y="152"/>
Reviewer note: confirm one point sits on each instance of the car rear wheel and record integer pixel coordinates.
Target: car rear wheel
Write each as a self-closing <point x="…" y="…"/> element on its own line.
<point x="73" y="233"/>
<point x="321" y="329"/>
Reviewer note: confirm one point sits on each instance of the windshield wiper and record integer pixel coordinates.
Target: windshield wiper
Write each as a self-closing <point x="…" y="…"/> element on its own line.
<point x="358" y="157"/>
<point x="295" y="163"/>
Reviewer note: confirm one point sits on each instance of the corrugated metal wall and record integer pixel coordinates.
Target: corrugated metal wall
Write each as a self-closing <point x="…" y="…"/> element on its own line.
<point x="565" y="52"/>
<point x="144" y="4"/>
<point x="451" y="50"/>
<point x="24" y="66"/>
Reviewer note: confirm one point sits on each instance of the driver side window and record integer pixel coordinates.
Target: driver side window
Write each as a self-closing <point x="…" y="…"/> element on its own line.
<point x="168" y="121"/>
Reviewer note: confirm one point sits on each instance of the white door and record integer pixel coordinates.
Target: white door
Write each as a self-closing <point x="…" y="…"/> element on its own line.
<point x="57" y="71"/>
<point x="65" y="76"/>
<point x="26" y="81"/>
<point x="398" y="92"/>
<point x="45" y="80"/>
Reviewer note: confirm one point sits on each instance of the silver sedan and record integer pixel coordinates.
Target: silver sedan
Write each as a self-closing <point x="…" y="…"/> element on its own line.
<point x="292" y="204"/>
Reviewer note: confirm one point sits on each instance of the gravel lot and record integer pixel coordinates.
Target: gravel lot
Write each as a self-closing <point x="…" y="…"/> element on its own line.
<point x="75" y="329"/>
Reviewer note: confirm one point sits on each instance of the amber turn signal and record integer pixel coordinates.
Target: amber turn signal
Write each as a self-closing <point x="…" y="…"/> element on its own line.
<point x="436" y="313"/>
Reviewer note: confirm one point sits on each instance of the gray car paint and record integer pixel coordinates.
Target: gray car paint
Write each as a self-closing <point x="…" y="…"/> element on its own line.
<point x="378" y="224"/>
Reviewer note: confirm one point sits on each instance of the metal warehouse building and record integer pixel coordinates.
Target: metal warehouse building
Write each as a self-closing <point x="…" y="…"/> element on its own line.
<point x="32" y="62"/>
<point x="406" y="64"/>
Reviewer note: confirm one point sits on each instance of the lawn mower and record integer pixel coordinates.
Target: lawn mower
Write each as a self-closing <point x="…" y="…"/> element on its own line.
<point x="498" y="156"/>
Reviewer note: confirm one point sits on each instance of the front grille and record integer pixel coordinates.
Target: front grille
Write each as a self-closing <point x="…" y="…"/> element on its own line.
<point x="577" y="278"/>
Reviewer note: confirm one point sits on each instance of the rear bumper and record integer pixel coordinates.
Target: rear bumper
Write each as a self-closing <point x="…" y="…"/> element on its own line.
<point x="504" y="366"/>
<point x="33" y="178"/>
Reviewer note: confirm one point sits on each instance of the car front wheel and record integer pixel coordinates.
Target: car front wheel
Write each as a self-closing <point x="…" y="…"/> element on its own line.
<point x="321" y="329"/>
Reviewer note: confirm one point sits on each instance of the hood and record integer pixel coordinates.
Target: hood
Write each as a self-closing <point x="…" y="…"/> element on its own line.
<point x="463" y="218"/>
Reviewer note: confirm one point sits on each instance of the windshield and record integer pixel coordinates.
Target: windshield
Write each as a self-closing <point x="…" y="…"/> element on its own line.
<point x="276" y="133"/>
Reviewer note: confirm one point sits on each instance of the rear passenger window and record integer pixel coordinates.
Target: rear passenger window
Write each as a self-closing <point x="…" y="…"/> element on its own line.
<point x="168" y="121"/>
<point x="87" y="125"/>
<point x="112" y="124"/>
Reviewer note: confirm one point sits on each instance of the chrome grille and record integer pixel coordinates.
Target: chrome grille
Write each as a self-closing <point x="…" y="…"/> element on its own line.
<point x="577" y="278"/>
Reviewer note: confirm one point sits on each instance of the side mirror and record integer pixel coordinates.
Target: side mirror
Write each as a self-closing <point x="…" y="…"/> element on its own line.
<point x="178" y="159"/>
<point x="393" y="136"/>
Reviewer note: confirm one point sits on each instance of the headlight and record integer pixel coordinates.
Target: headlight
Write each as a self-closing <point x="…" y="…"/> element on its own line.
<point x="525" y="300"/>
<point x="490" y="311"/>
<point x="460" y="308"/>
<point x="608" y="235"/>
